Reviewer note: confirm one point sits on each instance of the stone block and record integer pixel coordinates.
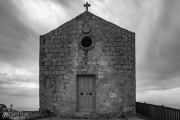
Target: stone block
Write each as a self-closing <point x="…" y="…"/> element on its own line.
<point x="112" y="49"/>
<point x="120" y="43"/>
<point x="127" y="66"/>
<point x="113" y="44"/>
<point x="117" y="67"/>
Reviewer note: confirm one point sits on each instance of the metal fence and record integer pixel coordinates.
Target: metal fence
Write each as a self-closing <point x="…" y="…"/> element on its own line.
<point x="156" y="112"/>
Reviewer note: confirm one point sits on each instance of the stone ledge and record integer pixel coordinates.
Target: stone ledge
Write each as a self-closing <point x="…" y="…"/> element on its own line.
<point x="133" y="118"/>
<point x="78" y="115"/>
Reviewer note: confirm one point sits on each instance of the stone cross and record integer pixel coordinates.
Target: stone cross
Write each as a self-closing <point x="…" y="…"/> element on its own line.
<point x="87" y="5"/>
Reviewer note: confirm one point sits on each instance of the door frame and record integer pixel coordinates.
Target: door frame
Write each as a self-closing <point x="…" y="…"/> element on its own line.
<point x="77" y="90"/>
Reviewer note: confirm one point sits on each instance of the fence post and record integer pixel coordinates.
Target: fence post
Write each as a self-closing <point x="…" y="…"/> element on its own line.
<point x="162" y="112"/>
<point x="144" y="108"/>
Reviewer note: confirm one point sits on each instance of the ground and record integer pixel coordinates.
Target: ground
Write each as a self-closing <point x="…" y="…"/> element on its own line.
<point x="141" y="117"/>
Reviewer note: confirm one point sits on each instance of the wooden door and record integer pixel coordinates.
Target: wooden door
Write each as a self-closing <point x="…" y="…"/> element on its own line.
<point x="86" y="93"/>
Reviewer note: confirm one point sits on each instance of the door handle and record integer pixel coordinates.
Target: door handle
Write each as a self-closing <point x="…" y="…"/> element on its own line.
<point x="88" y="93"/>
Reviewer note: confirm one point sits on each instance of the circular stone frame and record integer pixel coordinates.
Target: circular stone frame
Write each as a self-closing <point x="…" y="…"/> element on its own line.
<point x="88" y="47"/>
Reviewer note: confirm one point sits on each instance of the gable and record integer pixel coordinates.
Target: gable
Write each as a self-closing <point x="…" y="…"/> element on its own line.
<point x="98" y="26"/>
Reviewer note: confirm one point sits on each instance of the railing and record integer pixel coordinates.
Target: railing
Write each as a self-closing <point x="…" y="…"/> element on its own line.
<point x="155" y="112"/>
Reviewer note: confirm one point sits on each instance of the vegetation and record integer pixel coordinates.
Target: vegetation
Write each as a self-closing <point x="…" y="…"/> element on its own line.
<point x="13" y="114"/>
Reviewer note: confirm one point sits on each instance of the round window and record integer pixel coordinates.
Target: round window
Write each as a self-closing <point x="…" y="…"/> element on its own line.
<point x="86" y="42"/>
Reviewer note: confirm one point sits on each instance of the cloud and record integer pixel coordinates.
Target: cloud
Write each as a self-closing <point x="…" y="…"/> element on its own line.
<point x="18" y="44"/>
<point x="69" y="3"/>
<point x="168" y="97"/>
<point x="71" y="6"/>
<point x="40" y="16"/>
<point x="18" y="82"/>
<point x="160" y="65"/>
<point x="19" y="89"/>
<point x="10" y="73"/>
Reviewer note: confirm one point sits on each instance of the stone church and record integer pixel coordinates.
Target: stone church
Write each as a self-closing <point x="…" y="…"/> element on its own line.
<point x="87" y="65"/>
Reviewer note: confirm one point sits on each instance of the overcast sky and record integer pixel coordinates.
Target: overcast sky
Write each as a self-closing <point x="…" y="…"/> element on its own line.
<point x="155" y="22"/>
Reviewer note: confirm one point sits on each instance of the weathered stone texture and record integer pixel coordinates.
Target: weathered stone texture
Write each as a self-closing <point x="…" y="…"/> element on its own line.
<point x="112" y="60"/>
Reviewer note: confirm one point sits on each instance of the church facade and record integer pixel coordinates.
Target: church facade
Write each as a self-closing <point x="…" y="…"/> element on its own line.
<point x="87" y="65"/>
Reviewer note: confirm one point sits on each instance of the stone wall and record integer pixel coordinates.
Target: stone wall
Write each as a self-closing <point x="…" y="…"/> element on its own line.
<point x="112" y="60"/>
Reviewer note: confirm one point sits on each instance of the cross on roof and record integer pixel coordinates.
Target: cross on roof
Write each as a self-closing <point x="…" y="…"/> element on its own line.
<point x="87" y="5"/>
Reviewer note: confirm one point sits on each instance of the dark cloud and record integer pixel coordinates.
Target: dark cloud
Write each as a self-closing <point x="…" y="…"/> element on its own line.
<point x="162" y="60"/>
<point x="18" y="43"/>
<point x="67" y="3"/>
<point x="3" y="74"/>
<point x="72" y="6"/>
<point x="6" y="81"/>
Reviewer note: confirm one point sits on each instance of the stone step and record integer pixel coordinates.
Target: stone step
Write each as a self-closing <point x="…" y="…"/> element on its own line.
<point x="83" y="115"/>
